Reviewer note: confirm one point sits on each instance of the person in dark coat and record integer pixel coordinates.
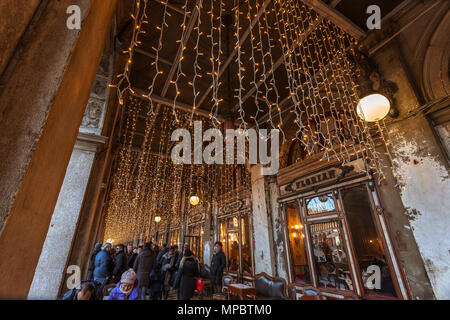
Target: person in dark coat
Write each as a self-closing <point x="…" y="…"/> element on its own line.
<point x="131" y="255"/>
<point x="177" y="264"/>
<point x="103" y="265"/>
<point x="156" y="283"/>
<point x="120" y="263"/>
<point x="161" y="253"/>
<point x="85" y="292"/>
<point x="143" y="266"/>
<point x="187" y="275"/>
<point x="168" y="268"/>
<point x="97" y="248"/>
<point x="218" y="264"/>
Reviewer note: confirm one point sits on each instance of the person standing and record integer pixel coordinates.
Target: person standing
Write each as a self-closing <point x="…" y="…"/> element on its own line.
<point x="218" y="264"/>
<point x="188" y="272"/>
<point x="168" y="268"/>
<point x="120" y="263"/>
<point x="161" y="253"/>
<point x="127" y="288"/>
<point x="132" y="257"/>
<point x="103" y="265"/>
<point x="143" y="266"/>
<point x="91" y="268"/>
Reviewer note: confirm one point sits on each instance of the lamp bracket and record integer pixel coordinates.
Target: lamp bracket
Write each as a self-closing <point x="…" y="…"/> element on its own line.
<point x="371" y="80"/>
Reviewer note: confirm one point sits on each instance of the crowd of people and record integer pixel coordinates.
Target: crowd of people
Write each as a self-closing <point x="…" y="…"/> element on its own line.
<point x="136" y="273"/>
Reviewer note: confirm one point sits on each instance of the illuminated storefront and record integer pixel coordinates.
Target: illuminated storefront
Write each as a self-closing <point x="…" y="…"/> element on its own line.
<point x="337" y="236"/>
<point x="234" y="230"/>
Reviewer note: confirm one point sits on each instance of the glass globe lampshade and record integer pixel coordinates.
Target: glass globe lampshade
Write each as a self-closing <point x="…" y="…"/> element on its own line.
<point x="373" y="107"/>
<point x="157" y="219"/>
<point x="194" y="200"/>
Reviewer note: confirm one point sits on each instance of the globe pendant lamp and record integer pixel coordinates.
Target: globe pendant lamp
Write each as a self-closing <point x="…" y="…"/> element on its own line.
<point x="194" y="200"/>
<point x="373" y="107"/>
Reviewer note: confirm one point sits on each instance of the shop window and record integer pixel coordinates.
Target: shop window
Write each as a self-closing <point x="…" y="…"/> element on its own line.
<point x="195" y="238"/>
<point x="375" y="272"/>
<point x="233" y="244"/>
<point x="297" y="245"/>
<point x="234" y="233"/>
<point x="321" y="204"/>
<point x="331" y="261"/>
<point x="246" y="251"/>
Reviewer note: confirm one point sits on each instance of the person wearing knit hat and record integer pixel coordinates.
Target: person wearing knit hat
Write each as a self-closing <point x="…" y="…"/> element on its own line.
<point x="127" y="288"/>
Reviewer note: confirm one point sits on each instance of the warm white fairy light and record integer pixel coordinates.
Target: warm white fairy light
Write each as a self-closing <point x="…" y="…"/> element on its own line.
<point x="321" y="85"/>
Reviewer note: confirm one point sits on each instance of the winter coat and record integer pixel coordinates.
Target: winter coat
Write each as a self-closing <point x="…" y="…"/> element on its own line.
<point x="186" y="278"/>
<point x="156" y="281"/>
<point x="103" y="265"/>
<point x="143" y="266"/>
<point x="168" y="268"/>
<point x="160" y="255"/>
<point x="120" y="265"/>
<point x="116" y="294"/>
<point x="131" y="258"/>
<point x="218" y="264"/>
<point x="91" y="267"/>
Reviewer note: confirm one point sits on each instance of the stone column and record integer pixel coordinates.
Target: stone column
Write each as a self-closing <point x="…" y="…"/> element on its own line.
<point x="52" y="262"/>
<point x="41" y="108"/>
<point x="262" y="224"/>
<point x="278" y="244"/>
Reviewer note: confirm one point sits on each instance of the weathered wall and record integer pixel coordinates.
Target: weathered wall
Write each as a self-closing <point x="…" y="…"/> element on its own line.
<point x="422" y="175"/>
<point x="41" y="110"/>
<point x="15" y="16"/>
<point x="52" y="262"/>
<point x="279" y="246"/>
<point x="50" y="269"/>
<point x="262" y="226"/>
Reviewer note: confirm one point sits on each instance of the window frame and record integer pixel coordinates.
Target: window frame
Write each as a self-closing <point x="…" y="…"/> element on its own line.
<point x="340" y="216"/>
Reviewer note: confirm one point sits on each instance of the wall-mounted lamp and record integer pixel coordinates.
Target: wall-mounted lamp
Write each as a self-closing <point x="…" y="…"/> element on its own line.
<point x="373" y="107"/>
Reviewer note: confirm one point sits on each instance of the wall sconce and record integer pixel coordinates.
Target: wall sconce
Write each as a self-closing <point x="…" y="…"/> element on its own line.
<point x="373" y="107"/>
<point x="378" y="93"/>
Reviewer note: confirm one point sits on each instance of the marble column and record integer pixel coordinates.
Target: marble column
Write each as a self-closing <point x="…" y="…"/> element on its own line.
<point x="51" y="268"/>
<point x="52" y="262"/>
<point x="262" y="224"/>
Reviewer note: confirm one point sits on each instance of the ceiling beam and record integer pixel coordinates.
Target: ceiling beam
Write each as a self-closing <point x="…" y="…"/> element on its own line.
<point x="171" y="6"/>
<point x="336" y="17"/>
<point x="290" y="97"/>
<point x="278" y="63"/>
<point x="179" y="54"/>
<point x="138" y="93"/>
<point x="233" y="54"/>
<point x="152" y="55"/>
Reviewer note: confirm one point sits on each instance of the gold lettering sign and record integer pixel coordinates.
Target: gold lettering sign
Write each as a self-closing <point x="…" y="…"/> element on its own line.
<point x="312" y="181"/>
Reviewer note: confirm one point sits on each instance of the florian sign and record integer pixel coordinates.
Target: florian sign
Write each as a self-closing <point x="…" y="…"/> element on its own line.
<point x="328" y="176"/>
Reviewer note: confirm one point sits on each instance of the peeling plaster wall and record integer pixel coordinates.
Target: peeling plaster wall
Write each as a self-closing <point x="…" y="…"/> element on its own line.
<point x="278" y="232"/>
<point x="263" y="251"/>
<point x="422" y="177"/>
<point x="425" y="191"/>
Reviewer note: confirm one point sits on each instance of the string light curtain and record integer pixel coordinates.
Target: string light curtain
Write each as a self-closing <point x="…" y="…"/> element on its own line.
<point x="285" y="36"/>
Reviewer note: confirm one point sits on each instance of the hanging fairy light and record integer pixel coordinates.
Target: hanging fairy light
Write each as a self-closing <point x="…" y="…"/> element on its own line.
<point x="331" y="120"/>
